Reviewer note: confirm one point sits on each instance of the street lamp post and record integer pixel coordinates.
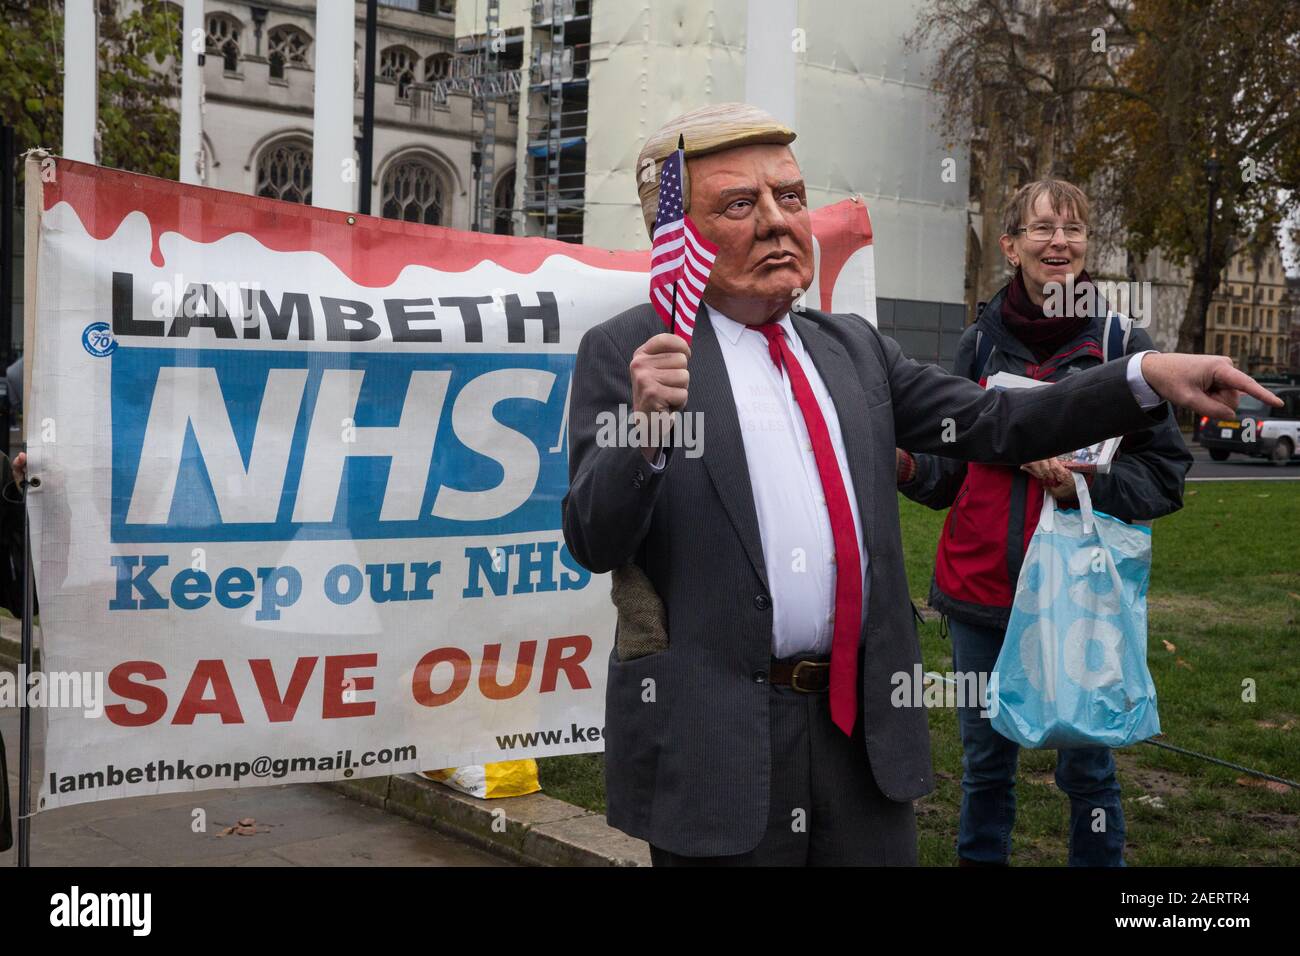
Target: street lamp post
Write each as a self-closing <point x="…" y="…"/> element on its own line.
<point x="476" y="164"/>
<point x="1212" y="170"/>
<point x="366" y="145"/>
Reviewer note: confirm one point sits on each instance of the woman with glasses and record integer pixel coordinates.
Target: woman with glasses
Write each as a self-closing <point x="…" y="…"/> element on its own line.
<point x="1045" y="323"/>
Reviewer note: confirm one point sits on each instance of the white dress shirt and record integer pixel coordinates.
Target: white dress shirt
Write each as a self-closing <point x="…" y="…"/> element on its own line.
<point x="793" y="523"/>
<point x="1137" y="382"/>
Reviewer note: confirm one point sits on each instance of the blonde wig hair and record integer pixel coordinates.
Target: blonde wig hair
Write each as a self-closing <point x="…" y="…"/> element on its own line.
<point x="709" y="129"/>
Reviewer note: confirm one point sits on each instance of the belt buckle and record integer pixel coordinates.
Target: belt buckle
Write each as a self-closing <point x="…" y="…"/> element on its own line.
<point x="794" y="676"/>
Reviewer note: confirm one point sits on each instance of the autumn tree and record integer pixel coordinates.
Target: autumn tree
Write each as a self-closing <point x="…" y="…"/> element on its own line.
<point x="1206" y="79"/>
<point x="1135" y="97"/>
<point x="138" y="126"/>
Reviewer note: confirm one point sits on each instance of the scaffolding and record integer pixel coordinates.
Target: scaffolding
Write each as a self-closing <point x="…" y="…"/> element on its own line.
<point x="485" y="145"/>
<point x="486" y="67"/>
<point x="555" y="183"/>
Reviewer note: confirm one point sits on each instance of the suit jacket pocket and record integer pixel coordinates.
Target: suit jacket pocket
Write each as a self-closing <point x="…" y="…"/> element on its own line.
<point x="638" y="703"/>
<point x="642" y="620"/>
<point x="878" y="394"/>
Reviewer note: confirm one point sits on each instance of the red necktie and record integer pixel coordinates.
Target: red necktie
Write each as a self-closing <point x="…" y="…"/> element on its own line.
<point x="848" y="563"/>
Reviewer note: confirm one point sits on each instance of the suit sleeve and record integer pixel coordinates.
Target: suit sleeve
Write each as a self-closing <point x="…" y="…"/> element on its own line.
<point x="938" y="479"/>
<point x="950" y="415"/>
<point x="612" y="488"/>
<point x="1147" y="477"/>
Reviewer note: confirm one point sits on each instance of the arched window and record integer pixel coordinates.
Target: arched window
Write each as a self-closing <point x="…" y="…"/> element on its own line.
<point x="288" y="47"/>
<point x="397" y="64"/>
<point x="437" y="67"/>
<point x="284" y="171"/>
<point x="223" y="39"/>
<point x="505" y="201"/>
<point x="413" y="190"/>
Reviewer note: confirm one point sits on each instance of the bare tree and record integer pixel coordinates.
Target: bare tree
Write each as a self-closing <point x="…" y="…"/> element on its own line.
<point x="1014" y="77"/>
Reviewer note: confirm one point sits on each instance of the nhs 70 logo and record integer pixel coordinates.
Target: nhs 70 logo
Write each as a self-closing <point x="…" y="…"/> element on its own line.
<point x="239" y="445"/>
<point x="97" y="339"/>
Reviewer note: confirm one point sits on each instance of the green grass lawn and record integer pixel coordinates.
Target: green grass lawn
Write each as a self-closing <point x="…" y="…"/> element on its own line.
<point x="1225" y="594"/>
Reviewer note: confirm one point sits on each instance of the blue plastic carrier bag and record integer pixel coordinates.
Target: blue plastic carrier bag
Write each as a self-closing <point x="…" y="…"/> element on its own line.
<point x="1073" y="667"/>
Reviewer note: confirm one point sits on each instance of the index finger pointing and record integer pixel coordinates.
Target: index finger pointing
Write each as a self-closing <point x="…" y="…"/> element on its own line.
<point x="1235" y="378"/>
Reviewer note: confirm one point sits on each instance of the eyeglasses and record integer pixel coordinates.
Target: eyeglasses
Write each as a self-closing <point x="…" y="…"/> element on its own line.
<point x="1045" y="231"/>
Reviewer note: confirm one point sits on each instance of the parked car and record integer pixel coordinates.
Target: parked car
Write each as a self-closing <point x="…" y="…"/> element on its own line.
<point x="1257" y="430"/>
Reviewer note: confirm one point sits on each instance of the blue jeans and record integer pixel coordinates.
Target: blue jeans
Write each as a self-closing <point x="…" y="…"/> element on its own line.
<point x="988" y="802"/>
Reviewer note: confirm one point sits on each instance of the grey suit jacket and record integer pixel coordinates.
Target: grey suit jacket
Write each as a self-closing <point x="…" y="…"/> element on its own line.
<point x="687" y="753"/>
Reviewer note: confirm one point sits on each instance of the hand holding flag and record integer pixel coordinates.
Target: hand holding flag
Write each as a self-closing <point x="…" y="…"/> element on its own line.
<point x="680" y="257"/>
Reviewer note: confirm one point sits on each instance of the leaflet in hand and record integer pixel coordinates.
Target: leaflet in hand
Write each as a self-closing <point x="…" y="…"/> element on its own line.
<point x="1093" y="458"/>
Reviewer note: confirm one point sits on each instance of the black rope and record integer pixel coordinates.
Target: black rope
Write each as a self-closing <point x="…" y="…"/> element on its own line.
<point x="1223" y="763"/>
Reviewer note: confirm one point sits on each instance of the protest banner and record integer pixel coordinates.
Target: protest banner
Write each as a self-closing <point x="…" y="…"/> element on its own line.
<point x="300" y="478"/>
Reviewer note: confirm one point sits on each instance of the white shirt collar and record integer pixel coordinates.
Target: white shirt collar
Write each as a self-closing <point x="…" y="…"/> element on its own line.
<point x="733" y="329"/>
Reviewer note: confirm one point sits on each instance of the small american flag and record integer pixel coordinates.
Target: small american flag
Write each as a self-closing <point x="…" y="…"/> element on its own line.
<point x="680" y="258"/>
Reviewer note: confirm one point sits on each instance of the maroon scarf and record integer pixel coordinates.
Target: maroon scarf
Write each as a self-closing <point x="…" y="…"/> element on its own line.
<point x="1041" y="334"/>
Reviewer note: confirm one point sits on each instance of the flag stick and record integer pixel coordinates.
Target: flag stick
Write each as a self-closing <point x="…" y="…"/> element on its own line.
<point x="681" y="146"/>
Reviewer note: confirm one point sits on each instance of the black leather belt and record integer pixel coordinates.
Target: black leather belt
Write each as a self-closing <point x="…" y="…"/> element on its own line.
<point x="805" y="676"/>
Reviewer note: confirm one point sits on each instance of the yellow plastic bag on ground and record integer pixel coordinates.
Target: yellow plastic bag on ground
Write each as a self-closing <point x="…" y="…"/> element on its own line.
<point x="487" y="781"/>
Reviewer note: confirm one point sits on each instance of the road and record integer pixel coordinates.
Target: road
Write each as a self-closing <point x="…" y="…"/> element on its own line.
<point x="1238" y="467"/>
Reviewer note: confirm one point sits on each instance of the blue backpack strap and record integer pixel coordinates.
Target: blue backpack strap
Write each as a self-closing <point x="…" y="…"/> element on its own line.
<point x="1114" y="338"/>
<point x="983" y="349"/>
